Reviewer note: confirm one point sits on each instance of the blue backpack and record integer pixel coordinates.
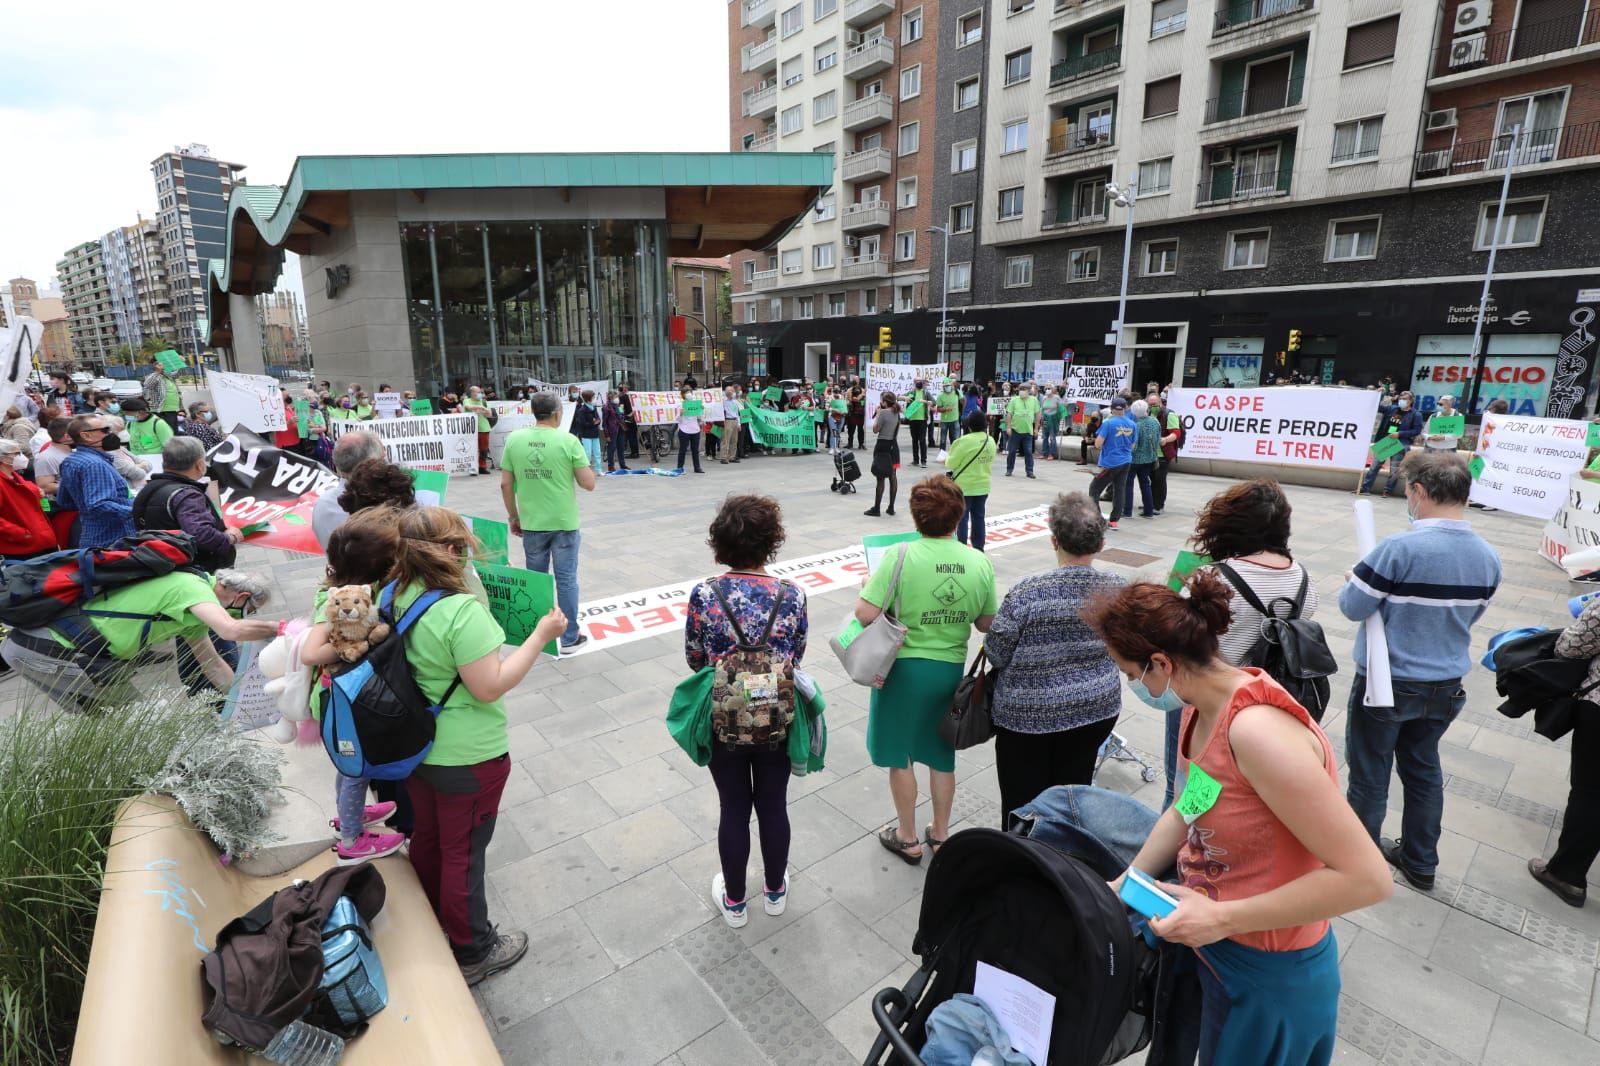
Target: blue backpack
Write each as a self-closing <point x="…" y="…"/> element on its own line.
<point x="376" y="722"/>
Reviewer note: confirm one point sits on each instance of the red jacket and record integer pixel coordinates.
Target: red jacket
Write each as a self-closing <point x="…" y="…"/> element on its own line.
<point x="24" y="527"/>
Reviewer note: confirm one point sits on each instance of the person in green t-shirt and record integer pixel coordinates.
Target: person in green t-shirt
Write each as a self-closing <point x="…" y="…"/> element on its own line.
<point x="915" y="413"/>
<point x="453" y="650"/>
<point x="364" y="411"/>
<point x="948" y="404"/>
<point x="971" y="463"/>
<point x="475" y="404"/>
<point x="540" y="471"/>
<point x="945" y="591"/>
<point x="1022" y="418"/>
<point x="146" y="432"/>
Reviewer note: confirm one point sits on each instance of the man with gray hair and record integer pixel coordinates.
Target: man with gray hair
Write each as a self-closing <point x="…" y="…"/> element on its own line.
<point x="351" y="451"/>
<point x="176" y="498"/>
<point x="1429" y="584"/>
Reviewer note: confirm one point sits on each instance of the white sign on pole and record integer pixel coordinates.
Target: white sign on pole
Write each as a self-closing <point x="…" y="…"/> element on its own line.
<point x="387" y="403"/>
<point x="1097" y="384"/>
<point x="247" y="400"/>
<point x="432" y="442"/>
<point x="898" y="378"/>
<point x="1527" y="463"/>
<point x="1305" y="426"/>
<point x="1049" y="371"/>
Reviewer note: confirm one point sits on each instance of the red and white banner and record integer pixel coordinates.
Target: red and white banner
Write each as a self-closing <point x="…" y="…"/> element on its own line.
<point x="1527" y="463"/>
<point x="259" y="482"/>
<point x="663" y="408"/>
<point x="631" y="616"/>
<point x="1293" y="426"/>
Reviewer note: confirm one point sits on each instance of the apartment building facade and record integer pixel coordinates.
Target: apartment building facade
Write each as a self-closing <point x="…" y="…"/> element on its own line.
<point x="86" y="293"/>
<point x="192" y="188"/>
<point x="854" y="79"/>
<point x="1296" y="164"/>
<point x="136" y="273"/>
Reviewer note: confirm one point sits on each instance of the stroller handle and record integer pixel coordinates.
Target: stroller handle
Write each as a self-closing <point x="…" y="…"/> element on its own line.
<point x="891" y="1036"/>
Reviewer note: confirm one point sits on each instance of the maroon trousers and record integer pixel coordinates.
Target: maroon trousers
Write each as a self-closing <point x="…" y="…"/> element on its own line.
<point x="455" y="809"/>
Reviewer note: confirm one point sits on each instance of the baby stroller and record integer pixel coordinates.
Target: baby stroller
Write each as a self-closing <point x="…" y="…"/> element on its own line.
<point x="1018" y="904"/>
<point x="846" y="472"/>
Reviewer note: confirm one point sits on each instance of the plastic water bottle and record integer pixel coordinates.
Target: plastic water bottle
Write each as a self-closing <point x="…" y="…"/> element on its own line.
<point x="1577" y="603"/>
<point x="300" y="1044"/>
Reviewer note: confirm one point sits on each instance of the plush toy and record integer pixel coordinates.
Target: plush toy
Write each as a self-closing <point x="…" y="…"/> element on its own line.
<point x="353" y="621"/>
<point x="288" y="682"/>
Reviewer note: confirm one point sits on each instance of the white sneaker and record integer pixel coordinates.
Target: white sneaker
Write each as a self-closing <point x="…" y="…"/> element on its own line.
<point x="775" y="902"/>
<point x="735" y="914"/>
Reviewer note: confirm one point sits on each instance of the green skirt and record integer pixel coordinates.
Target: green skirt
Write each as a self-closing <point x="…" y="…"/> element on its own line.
<point x="903" y="718"/>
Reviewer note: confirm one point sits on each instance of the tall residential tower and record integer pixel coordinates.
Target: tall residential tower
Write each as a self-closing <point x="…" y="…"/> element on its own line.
<point x="192" y="189"/>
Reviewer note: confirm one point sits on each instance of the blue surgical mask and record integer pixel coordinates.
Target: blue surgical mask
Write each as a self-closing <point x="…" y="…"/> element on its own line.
<point x="115" y="408"/>
<point x="1167" y="701"/>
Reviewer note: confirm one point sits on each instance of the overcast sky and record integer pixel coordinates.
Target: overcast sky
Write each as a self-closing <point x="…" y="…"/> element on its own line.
<point x="91" y="92"/>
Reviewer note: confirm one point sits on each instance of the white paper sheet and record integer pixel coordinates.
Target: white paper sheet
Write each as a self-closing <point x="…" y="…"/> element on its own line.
<point x="1380" y="692"/>
<point x="1025" y="1010"/>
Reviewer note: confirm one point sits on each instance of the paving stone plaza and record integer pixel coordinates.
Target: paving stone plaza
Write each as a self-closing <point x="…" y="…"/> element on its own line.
<point x="605" y="846"/>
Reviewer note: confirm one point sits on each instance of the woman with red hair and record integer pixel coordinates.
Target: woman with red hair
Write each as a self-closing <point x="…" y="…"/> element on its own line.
<point x="1266" y="848"/>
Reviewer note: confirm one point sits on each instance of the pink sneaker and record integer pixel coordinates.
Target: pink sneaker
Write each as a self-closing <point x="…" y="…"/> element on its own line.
<point x="372" y="815"/>
<point x="368" y="845"/>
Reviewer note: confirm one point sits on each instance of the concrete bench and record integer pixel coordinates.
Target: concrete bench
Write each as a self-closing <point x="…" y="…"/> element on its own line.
<point x="166" y="896"/>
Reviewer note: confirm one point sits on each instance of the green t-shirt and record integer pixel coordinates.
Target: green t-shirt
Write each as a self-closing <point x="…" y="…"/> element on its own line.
<point x="944" y="588"/>
<point x="543" y="461"/>
<point x="171" y="398"/>
<point x="975" y="476"/>
<point x="1024" y="413"/>
<point x="167" y="598"/>
<point x="456" y="631"/>
<point x="147" y="437"/>
<point x="948" y="403"/>
<point x="339" y="414"/>
<point x="481" y="409"/>
<point x="364" y="411"/>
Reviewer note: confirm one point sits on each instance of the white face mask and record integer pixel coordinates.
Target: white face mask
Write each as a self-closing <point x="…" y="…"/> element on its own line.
<point x="19" y="462"/>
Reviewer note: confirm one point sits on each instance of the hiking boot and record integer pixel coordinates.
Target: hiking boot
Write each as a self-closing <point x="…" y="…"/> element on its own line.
<point x="735" y="914"/>
<point x="368" y="845"/>
<point x="775" y="902"/>
<point x="372" y="815"/>
<point x="507" y="952"/>
<point x="1391" y="851"/>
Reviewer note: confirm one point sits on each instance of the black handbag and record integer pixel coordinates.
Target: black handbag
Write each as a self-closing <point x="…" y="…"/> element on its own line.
<point x="968" y="722"/>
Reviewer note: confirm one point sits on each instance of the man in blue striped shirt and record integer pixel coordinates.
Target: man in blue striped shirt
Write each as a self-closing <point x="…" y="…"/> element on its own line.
<point x="1429" y="585"/>
<point x="91" y="486"/>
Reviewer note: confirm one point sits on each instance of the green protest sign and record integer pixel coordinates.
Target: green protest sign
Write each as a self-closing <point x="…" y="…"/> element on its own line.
<point x="302" y="415"/>
<point x="1386" y="447"/>
<point x="744" y="415"/>
<point x="820" y="387"/>
<point x="430" y="486"/>
<point x="818" y="414"/>
<point x="1475" y="468"/>
<point x="716" y="430"/>
<point x="783" y="429"/>
<point x="1455" y="425"/>
<point x="876" y="546"/>
<point x="916" y="411"/>
<point x="773" y="393"/>
<point x="838" y="406"/>
<point x="693" y="408"/>
<point x="422" y="407"/>
<point x="518" y="599"/>
<point x="1594" y="434"/>
<point x="493" y="536"/>
<point x="1186" y="563"/>
<point x="170" y="361"/>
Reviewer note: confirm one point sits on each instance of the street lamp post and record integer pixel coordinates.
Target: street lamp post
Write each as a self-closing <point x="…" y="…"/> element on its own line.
<point x="1494" y="246"/>
<point x="944" y="289"/>
<point x="1124" y="198"/>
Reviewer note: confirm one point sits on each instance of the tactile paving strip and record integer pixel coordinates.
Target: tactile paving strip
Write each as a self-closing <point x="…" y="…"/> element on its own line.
<point x="1542" y="813"/>
<point x="776" y="1020"/>
<point x="744" y="976"/>
<point x="1408" y="1049"/>
<point x="1363" y="1027"/>
<point x="1559" y="937"/>
<point x="1490" y="908"/>
<point x="708" y="946"/>
<point x="1476" y="791"/>
<point x="815" y="1049"/>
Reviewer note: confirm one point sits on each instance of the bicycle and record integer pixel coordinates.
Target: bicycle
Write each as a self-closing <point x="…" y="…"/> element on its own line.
<point x="657" y="440"/>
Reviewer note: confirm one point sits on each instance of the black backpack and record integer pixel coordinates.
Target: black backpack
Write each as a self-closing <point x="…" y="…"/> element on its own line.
<point x="1532" y="677"/>
<point x="1292" y="650"/>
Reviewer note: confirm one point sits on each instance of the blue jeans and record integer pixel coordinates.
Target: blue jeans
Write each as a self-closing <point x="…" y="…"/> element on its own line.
<point x="835" y="427"/>
<point x="557" y="550"/>
<point x="1105" y="828"/>
<point x="1052" y="430"/>
<point x="1394" y="474"/>
<point x="1024" y="443"/>
<point x="1139" y="472"/>
<point x="1407" y="737"/>
<point x="591" y="448"/>
<point x="190" y="675"/>
<point x="975" y="515"/>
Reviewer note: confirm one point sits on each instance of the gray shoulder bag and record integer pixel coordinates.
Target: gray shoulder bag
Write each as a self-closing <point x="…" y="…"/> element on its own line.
<point x="868" y="652"/>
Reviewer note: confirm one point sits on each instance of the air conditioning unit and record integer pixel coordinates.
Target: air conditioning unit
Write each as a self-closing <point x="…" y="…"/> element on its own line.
<point x="1465" y="51"/>
<point x="1471" y="15"/>
<point x="1221" y="157"/>
<point x="852" y="242"/>
<point x="1444" y="119"/>
<point x="1434" y="162"/>
<point x="853" y="38"/>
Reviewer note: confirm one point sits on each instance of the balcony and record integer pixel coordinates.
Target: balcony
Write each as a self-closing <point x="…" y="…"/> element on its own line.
<point x="1064" y="11"/>
<point x="869" y="111"/>
<point x="761" y="102"/>
<point x="1082" y="66"/>
<point x="759" y="58"/>
<point x="1535" y="148"/>
<point x="869" y="57"/>
<point x="873" y="214"/>
<point x="865" y="266"/>
<point x="760" y="12"/>
<point x="767" y="142"/>
<point x="1477" y="50"/>
<point x="1065" y="216"/>
<point x="866" y="164"/>
<point x="1260" y="99"/>
<point x="1235" y="15"/>
<point x="1077" y="138"/>
<point x="1227" y="186"/>
<point x="864" y="12"/>
<point x="764" y="280"/>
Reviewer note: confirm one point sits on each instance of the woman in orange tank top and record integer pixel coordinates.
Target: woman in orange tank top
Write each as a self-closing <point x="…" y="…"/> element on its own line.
<point x="1265" y="845"/>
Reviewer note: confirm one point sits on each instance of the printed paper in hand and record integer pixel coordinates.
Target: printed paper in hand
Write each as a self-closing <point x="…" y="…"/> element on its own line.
<point x="1380" y="693"/>
<point x="1026" y="1012"/>
<point x="878" y="546"/>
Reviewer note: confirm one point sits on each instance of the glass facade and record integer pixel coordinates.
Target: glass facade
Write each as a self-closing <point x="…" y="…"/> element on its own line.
<point x="498" y="303"/>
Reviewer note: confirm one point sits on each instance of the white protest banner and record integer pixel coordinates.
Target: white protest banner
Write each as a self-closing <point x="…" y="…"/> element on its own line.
<point x="1293" y="426"/>
<point x="247" y="400"/>
<point x="509" y="407"/>
<point x="431" y="442"/>
<point x="1571" y="538"/>
<point x="1523" y="464"/>
<point x="600" y="388"/>
<point x="1049" y="371"/>
<point x="387" y="403"/>
<point x="898" y="378"/>
<point x="1096" y="384"/>
<point x="663" y="408"/>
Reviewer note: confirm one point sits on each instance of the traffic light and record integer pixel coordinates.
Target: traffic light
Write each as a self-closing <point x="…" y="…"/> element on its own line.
<point x="885" y="338"/>
<point x="1294" y="340"/>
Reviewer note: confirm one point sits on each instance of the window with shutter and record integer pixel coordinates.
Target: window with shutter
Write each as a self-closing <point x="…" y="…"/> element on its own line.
<point x="1370" y="42"/>
<point x="1161" y="97"/>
